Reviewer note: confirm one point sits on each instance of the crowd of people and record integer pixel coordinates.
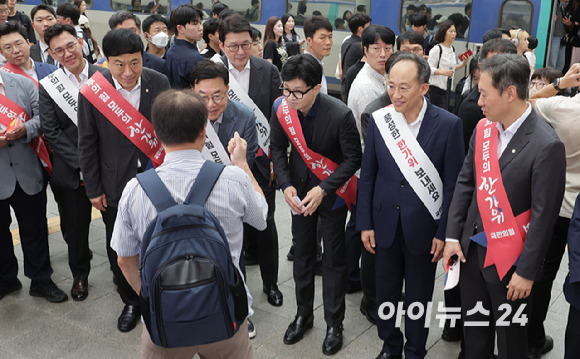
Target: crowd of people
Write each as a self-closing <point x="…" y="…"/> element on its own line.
<point x="383" y="185"/>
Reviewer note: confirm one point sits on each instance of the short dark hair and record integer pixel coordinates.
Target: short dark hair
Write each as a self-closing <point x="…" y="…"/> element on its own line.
<point x="532" y="42"/>
<point x="210" y="26"/>
<point x="361" y="8"/>
<point x="151" y="19"/>
<point x="254" y="2"/>
<point x="547" y="73"/>
<point x="121" y="41"/>
<point x="3" y="2"/>
<point x="301" y="8"/>
<point x="217" y="8"/>
<point x="418" y="19"/>
<point x="235" y="23"/>
<point x="184" y="14"/>
<point x="508" y="70"/>
<point x="117" y="19"/>
<point x="206" y="69"/>
<point x="412" y="37"/>
<point x="178" y="116"/>
<point x="391" y="60"/>
<point x="443" y="27"/>
<point x="317" y="13"/>
<point x="357" y="20"/>
<point x="499" y="46"/>
<point x="372" y="33"/>
<point x="467" y="7"/>
<point x="69" y="10"/>
<point x="473" y="64"/>
<point x="45" y="7"/>
<point x="314" y="23"/>
<point x="423" y="69"/>
<point x="495" y="34"/>
<point x="256" y="34"/>
<point x="304" y="67"/>
<point x="225" y="13"/>
<point x="338" y="22"/>
<point x="57" y="29"/>
<point x="10" y="27"/>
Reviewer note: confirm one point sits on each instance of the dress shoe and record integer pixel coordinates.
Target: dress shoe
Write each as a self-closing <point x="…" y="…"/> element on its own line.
<point x="290" y="255"/>
<point x="79" y="290"/>
<point x="333" y="340"/>
<point x="275" y="297"/>
<point x="450" y="334"/>
<point x="251" y="329"/>
<point x="353" y="287"/>
<point x="536" y="352"/>
<point x="128" y="318"/>
<point x="369" y="312"/>
<point x="48" y="291"/>
<point x="297" y="328"/>
<point x="9" y="288"/>
<point x="384" y="355"/>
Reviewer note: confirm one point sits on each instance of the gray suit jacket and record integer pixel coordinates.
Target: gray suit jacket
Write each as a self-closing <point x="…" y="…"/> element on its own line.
<point x="18" y="162"/>
<point x="35" y="52"/>
<point x="533" y="169"/>
<point x="238" y="117"/>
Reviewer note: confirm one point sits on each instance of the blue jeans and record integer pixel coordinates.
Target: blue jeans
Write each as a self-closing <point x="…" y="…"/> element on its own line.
<point x="557" y="53"/>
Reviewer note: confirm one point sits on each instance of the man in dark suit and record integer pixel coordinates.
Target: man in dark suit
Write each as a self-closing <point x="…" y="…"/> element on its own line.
<point x="401" y="219"/>
<point x="108" y="159"/>
<point x="329" y="130"/>
<point x="526" y="172"/>
<point x="210" y="80"/>
<point x="61" y="134"/>
<point x="42" y="16"/>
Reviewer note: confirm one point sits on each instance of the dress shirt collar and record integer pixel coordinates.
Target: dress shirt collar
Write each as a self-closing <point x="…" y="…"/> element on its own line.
<point x="311" y="54"/>
<point x="231" y="67"/>
<point x="420" y="116"/>
<point x="43" y="47"/>
<point x="375" y="75"/>
<point x="120" y="88"/>
<point x="84" y="74"/>
<point x="2" y="92"/>
<point x="312" y="112"/>
<point x="511" y="131"/>
<point x="177" y="156"/>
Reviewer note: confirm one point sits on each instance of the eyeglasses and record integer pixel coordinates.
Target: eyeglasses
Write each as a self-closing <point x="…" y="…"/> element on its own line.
<point x="17" y="45"/>
<point x="236" y="47"/>
<point x="4" y="11"/>
<point x="416" y="50"/>
<point x="402" y="89"/>
<point x="378" y="49"/>
<point x="70" y="47"/>
<point x="297" y="94"/>
<point x="217" y="98"/>
<point x="538" y="84"/>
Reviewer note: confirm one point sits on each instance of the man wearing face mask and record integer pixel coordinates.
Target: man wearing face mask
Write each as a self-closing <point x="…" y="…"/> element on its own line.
<point x="155" y="32"/>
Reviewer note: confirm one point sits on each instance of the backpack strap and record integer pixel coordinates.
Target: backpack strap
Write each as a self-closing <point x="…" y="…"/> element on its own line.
<point x="156" y="190"/>
<point x="204" y="183"/>
<point x="440" y="54"/>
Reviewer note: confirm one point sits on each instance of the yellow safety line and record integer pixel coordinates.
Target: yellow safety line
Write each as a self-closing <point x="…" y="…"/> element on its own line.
<point x="53" y="226"/>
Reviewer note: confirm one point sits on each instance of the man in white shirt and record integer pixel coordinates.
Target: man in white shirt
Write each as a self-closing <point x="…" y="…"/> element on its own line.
<point x="43" y="16"/>
<point x="318" y="32"/>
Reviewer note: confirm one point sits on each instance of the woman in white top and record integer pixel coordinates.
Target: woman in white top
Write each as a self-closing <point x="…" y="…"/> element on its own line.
<point x="290" y="39"/>
<point x="443" y="62"/>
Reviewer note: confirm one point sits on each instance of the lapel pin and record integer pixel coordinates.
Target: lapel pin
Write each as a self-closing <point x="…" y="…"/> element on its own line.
<point x="513" y="150"/>
<point x="146" y="90"/>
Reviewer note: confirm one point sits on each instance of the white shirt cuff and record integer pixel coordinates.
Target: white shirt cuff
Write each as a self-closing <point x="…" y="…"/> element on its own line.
<point x="451" y="240"/>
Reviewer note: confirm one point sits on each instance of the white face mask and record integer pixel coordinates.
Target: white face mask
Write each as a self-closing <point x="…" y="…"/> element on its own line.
<point x="160" y="40"/>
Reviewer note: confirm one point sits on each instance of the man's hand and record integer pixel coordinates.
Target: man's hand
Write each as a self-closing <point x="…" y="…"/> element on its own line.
<point x="100" y="202"/>
<point x="3" y="142"/>
<point x="572" y="77"/>
<point x="312" y="200"/>
<point x="16" y="133"/>
<point x="289" y="194"/>
<point x="237" y="149"/>
<point x="451" y="249"/>
<point x="368" y="239"/>
<point x="519" y="287"/>
<point x="437" y="249"/>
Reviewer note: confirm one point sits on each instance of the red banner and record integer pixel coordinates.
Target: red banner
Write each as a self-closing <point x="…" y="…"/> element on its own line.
<point x="11" y="111"/>
<point x="505" y="237"/>
<point x="123" y="116"/>
<point x="17" y="70"/>
<point x="321" y="166"/>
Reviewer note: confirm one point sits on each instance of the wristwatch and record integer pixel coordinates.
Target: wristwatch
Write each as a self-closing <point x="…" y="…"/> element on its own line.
<point x="556" y="83"/>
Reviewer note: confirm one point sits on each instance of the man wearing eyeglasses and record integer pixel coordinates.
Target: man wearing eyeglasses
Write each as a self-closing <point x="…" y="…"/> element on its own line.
<point x="413" y="154"/>
<point x="210" y="80"/>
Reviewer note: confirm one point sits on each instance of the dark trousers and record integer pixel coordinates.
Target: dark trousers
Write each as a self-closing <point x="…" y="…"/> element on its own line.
<point x="393" y="266"/>
<point x="333" y="261"/>
<point x="128" y="295"/>
<point x="30" y="213"/>
<point x="572" y="346"/>
<point x="75" y="209"/>
<point x="368" y="279"/>
<point x="266" y="241"/>
<point x="512" y="340"/>
<point x="438" y="97"/>
<point x="354" y="246"/>
<point x="542" y="289"/>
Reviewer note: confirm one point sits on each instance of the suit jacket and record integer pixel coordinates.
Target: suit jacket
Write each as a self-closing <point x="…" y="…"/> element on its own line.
<point x="18" y="162"/>
<point x="533" y="168"/>
<point x="335" y="137"/>
<point x="35" y="53"/>
<point x="154" y="62"/>
<point x="238" y="117"/>
<point x="384" y="195"/>
<point x="470" y="113"/>
<point x="382" y="101"/>
<point x="572" y="283"/>
<point x="61" y="134"/>
<point x="179" y="61"/>
<point x="107" y="158"/>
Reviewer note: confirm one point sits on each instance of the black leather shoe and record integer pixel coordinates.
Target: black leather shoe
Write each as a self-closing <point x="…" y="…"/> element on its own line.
<point x="48" y="291"/>
<point x="128" y="319"/>
<point x="451" y="334"/>
<point x="333" y="340"/>
<point x="275" y="297"/>
<point x="9" y="288"/>
<point x="369" y="312"/>
<point x="79" y="290"/>
<point x="536" y="352"/>
<point x="384" y="355"/>
<point x="297" y="328"/>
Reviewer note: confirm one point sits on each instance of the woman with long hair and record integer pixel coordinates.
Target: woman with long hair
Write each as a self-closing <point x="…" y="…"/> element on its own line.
<point x="273" y="49"/>
<point x="443" y="63"/>
<point x="290" y="39"/>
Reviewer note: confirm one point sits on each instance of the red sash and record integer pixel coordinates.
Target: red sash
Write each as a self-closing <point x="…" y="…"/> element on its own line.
<point x="321" y="166"/>
<point x="10" y="111"/>
<point x="17" y="70"/>
<point x="123" y="116"/>
<point x="505" y="233"/>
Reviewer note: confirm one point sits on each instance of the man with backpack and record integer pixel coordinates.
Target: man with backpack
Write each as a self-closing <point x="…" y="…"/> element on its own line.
<point x="179" y="118"/>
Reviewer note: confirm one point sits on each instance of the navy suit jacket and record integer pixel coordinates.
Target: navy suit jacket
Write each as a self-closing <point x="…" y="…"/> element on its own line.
<point x="572" y="283"/>
<point x="239" y="117"/>
<point x="43" y="69"/>
<point x="154" y="62"/>
<point x="384" y="195"/>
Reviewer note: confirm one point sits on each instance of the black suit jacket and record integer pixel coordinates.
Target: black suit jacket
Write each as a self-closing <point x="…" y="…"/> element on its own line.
<point x="533" y="168"/>
<point x="35" y="52"/>
<point x="335" y="137"/>
<point x="61" y="134"/>
<point x="107" y="158"/>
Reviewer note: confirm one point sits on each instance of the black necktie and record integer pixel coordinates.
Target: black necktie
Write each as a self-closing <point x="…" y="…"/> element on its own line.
<point x="49" y="59"/>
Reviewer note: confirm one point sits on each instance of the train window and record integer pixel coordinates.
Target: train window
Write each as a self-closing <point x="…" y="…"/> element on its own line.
<point x="250" y="9"/>
<point x="338" y="12"/>
<point x="437" y="12"/>
<point x="142" y="6"/>
<point x="517" y="14"/>
<point x="89" y="3"/>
